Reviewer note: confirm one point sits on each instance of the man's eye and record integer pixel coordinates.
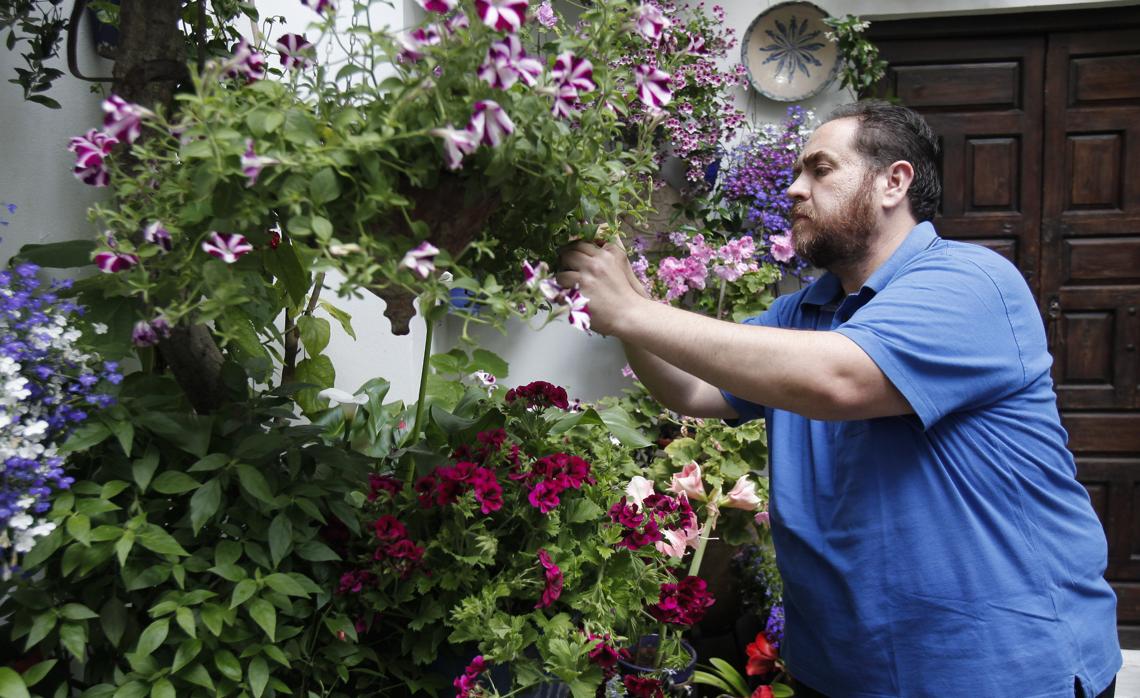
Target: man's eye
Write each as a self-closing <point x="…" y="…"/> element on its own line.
<point x="822" y="171"/>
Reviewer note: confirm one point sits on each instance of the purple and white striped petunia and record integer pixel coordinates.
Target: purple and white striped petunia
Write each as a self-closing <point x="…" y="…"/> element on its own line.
<point x="113" y="262"/>
<point x="456" y="22"/>
<point x="573" y="71"/>
<point x="157" y="234"/>
<point x="534" y="273"/>
<point x="579" y="306"/>
<point x="490" y="124"/>
<point x="651" y="21"/>
<point x="122" y="119"/>
<point x="413" y="42"/>
<point x="244" y="62"/>
<point x="507" y="62"/>
<point x="421" y="259"/>
<point x="502" y="15"/>
<point x="456" y="144"/>
<point x="565" y="101"/>
<point x="545" y="15"/>
<point x="652" y="86"/>
<point x="320" y="6"/>
<point x="228" y="247"/>
<point x="252" y="163"/>
<point x="440" y="6"/>
<point x="90" y="151"/>
<point x="295" y="52"/>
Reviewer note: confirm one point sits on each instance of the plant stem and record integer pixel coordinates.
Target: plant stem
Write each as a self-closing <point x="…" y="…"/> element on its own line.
<point x="418" y="424"/>
<point x="705" y="534"/>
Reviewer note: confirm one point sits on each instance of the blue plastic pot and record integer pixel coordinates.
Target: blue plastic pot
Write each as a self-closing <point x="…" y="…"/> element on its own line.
<point x="650" y="642"/>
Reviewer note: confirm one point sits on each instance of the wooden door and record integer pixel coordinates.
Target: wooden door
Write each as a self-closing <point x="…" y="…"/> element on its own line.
<point x="1039" y="117"/>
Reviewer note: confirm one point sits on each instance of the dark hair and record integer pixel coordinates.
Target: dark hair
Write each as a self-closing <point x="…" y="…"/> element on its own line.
<point x="889" y="133"/>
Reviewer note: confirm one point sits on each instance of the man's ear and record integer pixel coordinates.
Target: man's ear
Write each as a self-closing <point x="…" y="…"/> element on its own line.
<point x="899" y="175"/>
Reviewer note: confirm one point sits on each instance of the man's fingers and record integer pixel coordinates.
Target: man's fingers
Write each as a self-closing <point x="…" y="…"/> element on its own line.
<point x="567" y="279"/>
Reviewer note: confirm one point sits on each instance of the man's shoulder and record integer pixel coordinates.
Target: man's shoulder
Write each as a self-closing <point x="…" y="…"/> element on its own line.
<point x="965" y="260"/>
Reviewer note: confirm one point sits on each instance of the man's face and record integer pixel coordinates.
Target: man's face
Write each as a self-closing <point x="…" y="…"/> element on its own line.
<point x="835" y="210"/>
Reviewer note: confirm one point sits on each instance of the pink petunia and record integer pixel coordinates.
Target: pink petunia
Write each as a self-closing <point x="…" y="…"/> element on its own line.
<point x="158" y="235"/>
<point x="252" y="163"/>
<point x="782" y="249"/>
<point x="652" y="86"/>
<point x="228" y="247"/>
<point x="114" y="262"/>
<point x="456" y="22"/>
<point x="295" y="51"/>
<point x="565" y="101"/>
<point x="421" y="259"/>
<point x="456" y="144"/>
<point x="91" y="151"/>
<point x="123" y="120"/>
<point x="490" y="123"/>
<point x="651" y="21"/>
<point x="502" y="15"/>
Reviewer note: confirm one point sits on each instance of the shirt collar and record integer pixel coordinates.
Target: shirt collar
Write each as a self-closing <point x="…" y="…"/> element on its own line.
<point x="828" y="289"/>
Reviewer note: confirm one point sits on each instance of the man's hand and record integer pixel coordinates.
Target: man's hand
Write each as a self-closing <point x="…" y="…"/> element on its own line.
<point x="603" y="275"/>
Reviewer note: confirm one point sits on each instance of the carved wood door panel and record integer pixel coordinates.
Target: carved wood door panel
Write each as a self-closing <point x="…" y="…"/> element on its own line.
<point x="1039" y="117"/>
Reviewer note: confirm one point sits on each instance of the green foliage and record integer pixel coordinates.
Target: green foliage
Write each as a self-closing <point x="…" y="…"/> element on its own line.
<point x="860" y="66"/>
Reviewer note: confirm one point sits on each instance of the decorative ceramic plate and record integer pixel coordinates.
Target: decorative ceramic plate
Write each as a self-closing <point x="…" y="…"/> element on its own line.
<point x="786" y="53"/>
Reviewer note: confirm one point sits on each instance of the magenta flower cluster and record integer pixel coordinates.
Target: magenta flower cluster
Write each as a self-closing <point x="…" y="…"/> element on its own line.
<point x="683" y="603"/>
<point x="467" y="685"/>
<point x="553" y="578"/>
<point x="549" y="476"/>
<point x="646" y="523"/>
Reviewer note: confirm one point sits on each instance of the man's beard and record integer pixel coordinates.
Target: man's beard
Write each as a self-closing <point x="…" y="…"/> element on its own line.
<point x="829" y="239"/>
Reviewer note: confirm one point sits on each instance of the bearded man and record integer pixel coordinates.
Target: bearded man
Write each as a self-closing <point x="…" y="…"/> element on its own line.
<point x="928" y="524"/>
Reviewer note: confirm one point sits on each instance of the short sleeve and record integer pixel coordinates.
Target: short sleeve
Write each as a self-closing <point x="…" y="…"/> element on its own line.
<point x="942" y="333"/>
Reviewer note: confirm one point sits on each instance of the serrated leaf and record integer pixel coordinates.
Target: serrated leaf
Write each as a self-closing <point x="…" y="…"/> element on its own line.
<point x="174" y="482"/>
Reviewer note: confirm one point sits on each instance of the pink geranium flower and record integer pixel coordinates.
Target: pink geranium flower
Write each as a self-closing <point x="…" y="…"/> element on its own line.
<point x="113" y="262"/>
<point x="456" y="144"/>
<point x="489" y="123"/>
<point x="228" y="247"/>
<point x="638" y="489"/>
<point x="421" y="259"/>
<point x="502" y="15"/>
<point x="91" y="151"/>
<point x="294" y="51"/>
<point x="689" y="482"/>
<point x="782" y="249"/>
<point x="123" y="120"/>
<point x="743" y="495"/>
<point x="651" y="21"/>
<point x="652" y="86"/>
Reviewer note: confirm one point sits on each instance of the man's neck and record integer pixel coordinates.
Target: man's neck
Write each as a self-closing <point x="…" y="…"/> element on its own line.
<point x="887" y="239"/>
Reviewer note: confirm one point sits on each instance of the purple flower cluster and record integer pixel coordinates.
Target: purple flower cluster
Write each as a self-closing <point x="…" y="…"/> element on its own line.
<point x="47" y="387"/>
<point x="774" y="629"/>
<point x="758" y="173"/>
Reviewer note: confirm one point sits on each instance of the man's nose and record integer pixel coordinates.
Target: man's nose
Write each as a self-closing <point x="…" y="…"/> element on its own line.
<point x="798" y="191"/>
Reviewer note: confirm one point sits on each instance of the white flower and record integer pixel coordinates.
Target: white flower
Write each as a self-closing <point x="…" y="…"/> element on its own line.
<point x="98" y="328"/>
<point x="342" y="397"/>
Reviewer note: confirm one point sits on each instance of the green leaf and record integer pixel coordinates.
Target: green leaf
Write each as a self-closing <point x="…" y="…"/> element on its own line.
<point x="621" y="426"/>
<point x="284" y="584"/>
<point x="316" y="551"/>
<point x="242" y="591"/>
<point x="280" y="538"/>
<point x="731" y="675"/>
<point x="228" y="664"/>
<point x="162" y="689"/>
<point x="483" y="360"/>
<point x="124" y="431"/>
<point x="254" y="483"/>
<point x="79" y="528"/>
<point x="340" y="316"/>
<point x="185" y="619"/>
<point x="77" y="611"/>
<point x="43" y="624"/>
<point x="73" y="636"/>
<point x="204" y="504"/>
<point x="153" y="637"/>
<point x="214" y="618"/>
<point x="197" y="675"/>
<point x="324" y="187"/>
<point x="123" y="546"/>
<point x="89" y="435"/>
<point x="36" y="673"/>
<point x="315" y="333"/>
<point x="214" y="461"/>
<point x="113" y="618"/>
<point x="11" y="685"/>
<point x="258" y="676"/>
<point x="284" y="264"/>
<point x="142" y="470"/>
<point x="155" y="539"/>
<point x="58" y="255"/>
<point x="265" y="616"/>
<point x="189" y="432"/>
<point x="780" y="690"/>
<point x="175" y="482"/>
<point x="318" y="371"/>
<point x="185" y="654"/>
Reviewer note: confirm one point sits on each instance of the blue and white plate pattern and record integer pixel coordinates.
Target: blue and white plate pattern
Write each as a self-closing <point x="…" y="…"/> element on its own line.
<point x="786" y="53"/>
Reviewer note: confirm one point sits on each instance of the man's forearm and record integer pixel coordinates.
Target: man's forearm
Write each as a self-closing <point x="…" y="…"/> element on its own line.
<point x="675" y="389"/>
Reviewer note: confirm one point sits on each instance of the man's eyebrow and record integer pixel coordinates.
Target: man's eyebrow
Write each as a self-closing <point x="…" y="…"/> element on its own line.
<point x="811" y="159"/>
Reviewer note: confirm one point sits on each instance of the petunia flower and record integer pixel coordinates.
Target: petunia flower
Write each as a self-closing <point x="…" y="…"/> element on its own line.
<point x="579" y="309"/>
<point x="294" y="51"/>
<point x="689" y="482"/>
<point x="533" y="273"/>
<point x="782" y="249"/>
<point x="245" y="62"/>
<point x="545" y="15"/>
<point x="638" y="489"/>
<point x="574" y="71"/>
<point x="112" y="262"/>
<point x="565" y="101"/>
<point x="320" y="6"/>
<point x="123" y="120"/>
<point x="440" y="6"/>
<point x="502" y="15"/>
<point x="507" y="63"/>
<point x="456" y="22"/>
<point x="252" y="163"/>
<point x="228" y="247"/>
<point x="489" y="123"/>
<point x="421" y="259"/>
<point x="456" y="144"/>
<point x="148" y="334"/>
<point x="412" y="43"/>
<point x="743" y="495"/>
<point x="91" y="151"/>
<point x="156" y="234"/>
<point x="652" y="86"/>
<point x="651" y="21"/>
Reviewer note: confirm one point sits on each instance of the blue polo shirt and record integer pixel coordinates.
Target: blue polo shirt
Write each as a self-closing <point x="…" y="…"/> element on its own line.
<point x="951" y="551"/>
